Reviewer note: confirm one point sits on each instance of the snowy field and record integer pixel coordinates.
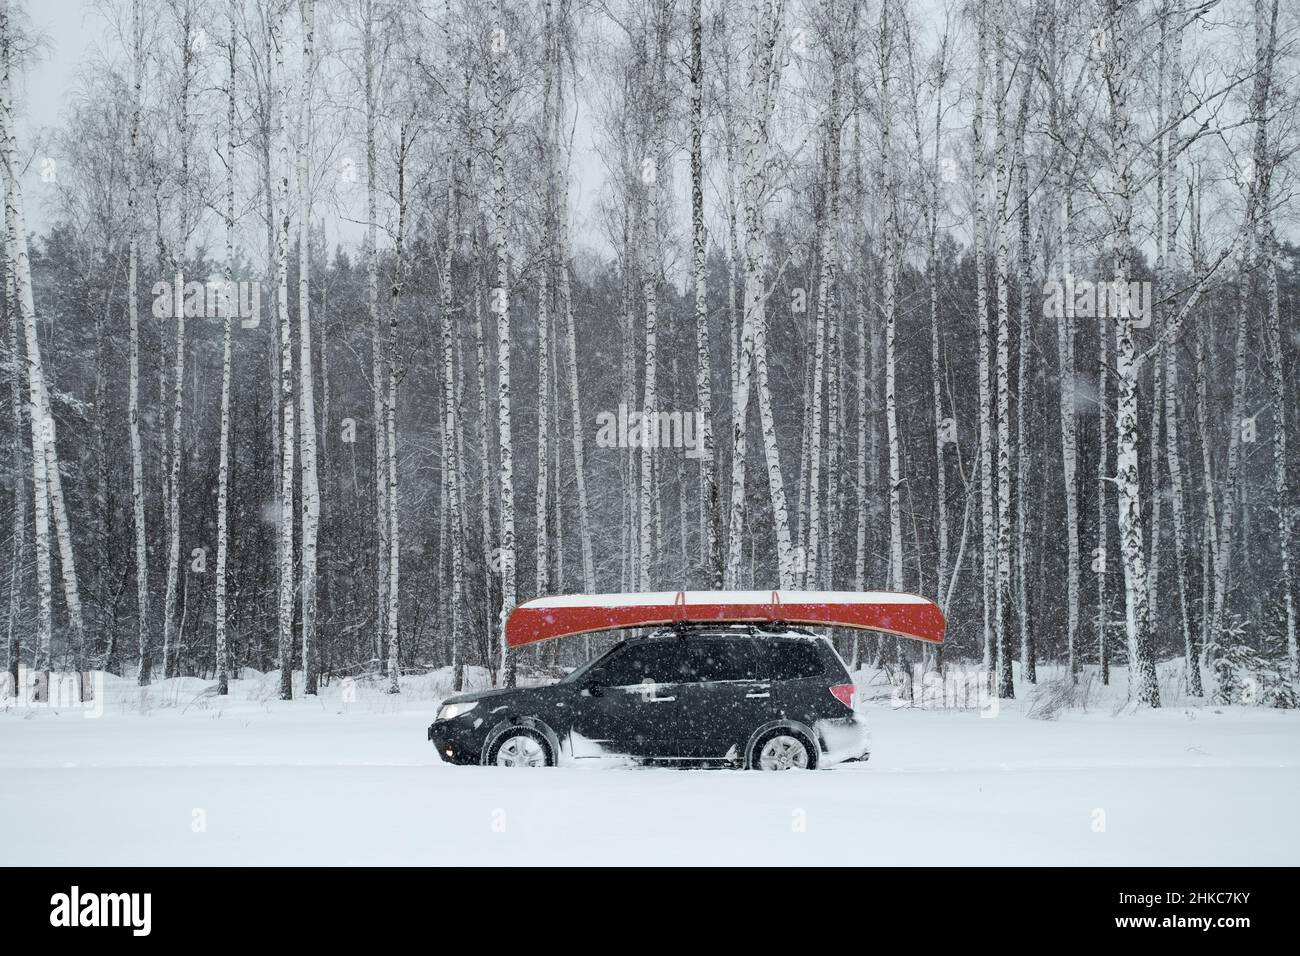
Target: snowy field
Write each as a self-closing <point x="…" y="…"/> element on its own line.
<point x="174" y="775"/>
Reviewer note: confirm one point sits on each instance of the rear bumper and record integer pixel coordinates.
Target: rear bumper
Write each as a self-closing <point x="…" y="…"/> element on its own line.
<point x="843" y="739"/>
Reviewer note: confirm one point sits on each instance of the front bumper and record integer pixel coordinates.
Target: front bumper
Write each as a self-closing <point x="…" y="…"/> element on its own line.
<point x="457" y="741"/>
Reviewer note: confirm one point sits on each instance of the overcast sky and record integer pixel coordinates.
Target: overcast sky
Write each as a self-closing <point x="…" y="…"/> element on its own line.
<point x="69" y="31"/>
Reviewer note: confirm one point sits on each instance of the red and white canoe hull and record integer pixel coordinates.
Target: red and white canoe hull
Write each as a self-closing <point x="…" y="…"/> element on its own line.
<point x="903" y="615"/>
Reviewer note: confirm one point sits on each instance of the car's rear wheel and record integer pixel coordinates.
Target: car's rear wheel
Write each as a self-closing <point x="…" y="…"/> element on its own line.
<point x="519" y="747"/>
<point x="783" y="749"/>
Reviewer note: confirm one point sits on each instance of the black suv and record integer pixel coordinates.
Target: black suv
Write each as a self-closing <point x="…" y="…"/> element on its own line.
<point x="768" y="699"/>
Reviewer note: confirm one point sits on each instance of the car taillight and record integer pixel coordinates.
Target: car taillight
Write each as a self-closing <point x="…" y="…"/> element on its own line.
<point x="845" y="694"/>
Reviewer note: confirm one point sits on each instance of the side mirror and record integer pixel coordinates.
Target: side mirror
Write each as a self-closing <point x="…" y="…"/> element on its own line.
<point x="594" y="682"/>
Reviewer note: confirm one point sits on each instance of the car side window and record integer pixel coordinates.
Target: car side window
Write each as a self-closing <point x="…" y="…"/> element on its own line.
<point x="794" y="660"/>
<point x="658" y="662"/>
<point x="723" y="660"/>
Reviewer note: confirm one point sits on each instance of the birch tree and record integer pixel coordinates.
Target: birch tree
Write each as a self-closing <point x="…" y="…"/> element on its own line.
<point x="1002" y="598"/>
<point x="372" y="68"/>
<point x="828" y="249"/>
<point x="133" y="318"/>
<point x="306" y="379"/>
<point x="987" y="509"/>
<point x="650" y="258"/>
<point x="570" y="330"/>
<point x="451" y="430"/>
<point x="287" y="420"/>
<point x="1142" y="668"/>
<point x="406" y="134"/>
<point x="1281" y="484"/>
<point x="932" y="284"/>
<point x="711" y="507"/>
<point x="1024" y="454"/>
<point x="228" y="309"/>
<point x="763" y="82"/>
<point x="1173" y="451"/>
<point x="185" y="34"/>
<point x="18" y="465"/>
<point x="889" y="242"/>
<point x="1063" y="184"/>
<point x="541" y="499"/>
<point x="46" y="482"/>
<point x="1265" y="18"/>
<point x="500" y="51"/>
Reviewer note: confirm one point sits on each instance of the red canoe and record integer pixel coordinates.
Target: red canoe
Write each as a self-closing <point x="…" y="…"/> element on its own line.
<point x="904" y="615"/>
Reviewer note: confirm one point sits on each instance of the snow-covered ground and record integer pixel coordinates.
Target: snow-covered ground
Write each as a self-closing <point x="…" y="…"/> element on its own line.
<point x="174" y="775"/>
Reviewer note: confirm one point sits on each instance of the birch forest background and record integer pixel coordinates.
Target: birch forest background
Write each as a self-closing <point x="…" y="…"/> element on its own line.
<point x="348" y="322"/>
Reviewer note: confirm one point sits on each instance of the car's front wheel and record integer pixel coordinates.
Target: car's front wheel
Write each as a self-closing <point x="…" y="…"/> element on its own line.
<point x="519" y="747"/>
<point x="783" y="749"/>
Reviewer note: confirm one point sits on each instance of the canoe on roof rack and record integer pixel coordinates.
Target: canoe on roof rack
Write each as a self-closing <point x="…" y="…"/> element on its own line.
<point x="887" y="612"/>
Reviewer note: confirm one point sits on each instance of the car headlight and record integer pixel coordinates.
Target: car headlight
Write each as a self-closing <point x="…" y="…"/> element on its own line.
<point x="448" y="711"/>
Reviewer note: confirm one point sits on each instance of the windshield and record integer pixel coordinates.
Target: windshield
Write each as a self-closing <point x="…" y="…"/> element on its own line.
<point x="584" y="668"/>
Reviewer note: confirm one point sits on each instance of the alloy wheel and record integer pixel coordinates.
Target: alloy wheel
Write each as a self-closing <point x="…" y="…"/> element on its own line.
<point x="521" y="750"/>
<point x="783" y="752"/>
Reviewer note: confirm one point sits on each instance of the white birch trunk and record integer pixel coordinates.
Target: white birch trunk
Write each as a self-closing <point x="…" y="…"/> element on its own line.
<point x="501" y="306"/>
<point x="890" y="240"/>
<point x="451" y="466"/>
<point x="571" y="355"/>
<point x="936" y="355"/>
<point x="287" y="441"/>
<point x="1142" y="670"/>
<point x="45" y="460"/>
<point x="650" y="264"/>
<point x="133" y="311"/>
<point x="711" y="521"/>
<point x="982" y="320"/>
<point x="171" y="634"/>
<point x="485" y="432"/>
<point x="1024" y="455"/>
<point x="864" y="398"/>
<point x="1002" y="600"/>
<point x="1265" y="43"/>
<point x="1069" y="425"/>
<point x="18" y="473"/>
<point x="1277" y="376"/>
<point x="1209" y="542"/>
<point x="764" y="79"/>
<point x="223" y="465"/>
<point x="825" y="279"/>
<point x="405" y="140"/>
<point x="306" y="376"/>
<point x="1281" y="486"/>
<point x="1171" y="396"/>
<point x="579" y="442"/>
<point x="379" y="394"/>
<point x="546" y="254"/>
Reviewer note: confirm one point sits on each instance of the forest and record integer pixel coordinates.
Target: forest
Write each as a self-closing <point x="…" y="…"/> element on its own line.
<point x="349" y="325"/>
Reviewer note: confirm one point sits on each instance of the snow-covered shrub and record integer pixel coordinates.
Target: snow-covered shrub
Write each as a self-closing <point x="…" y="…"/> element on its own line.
<point x="1051" y="697"/>
<point x="1244" y="676"/>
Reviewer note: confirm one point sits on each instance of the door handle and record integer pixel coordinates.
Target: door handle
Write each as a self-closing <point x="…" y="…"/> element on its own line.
<point x="754" y="696"/>
<point x="659" y="700"/>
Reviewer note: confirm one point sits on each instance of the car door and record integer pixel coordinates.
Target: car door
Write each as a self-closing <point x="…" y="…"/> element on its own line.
<point x="725" y="696"/>
<point x="800" y="689"/>
<point x="628" y="704"/>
